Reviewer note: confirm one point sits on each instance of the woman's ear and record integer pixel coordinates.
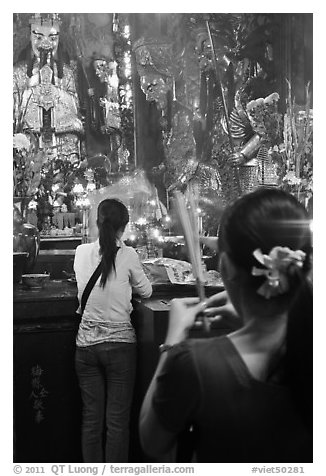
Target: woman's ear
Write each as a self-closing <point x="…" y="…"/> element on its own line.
<point x="121" y="231"/>
<point x="228" y="269"/>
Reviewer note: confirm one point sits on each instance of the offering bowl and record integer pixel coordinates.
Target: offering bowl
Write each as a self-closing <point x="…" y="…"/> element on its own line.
<point x="35" y="281"/>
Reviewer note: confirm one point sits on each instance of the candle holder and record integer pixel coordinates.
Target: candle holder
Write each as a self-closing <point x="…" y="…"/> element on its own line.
<point x="83" y="204"/>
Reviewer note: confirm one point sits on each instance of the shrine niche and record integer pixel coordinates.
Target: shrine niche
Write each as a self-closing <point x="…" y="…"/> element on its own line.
<point x="71" y="112"/>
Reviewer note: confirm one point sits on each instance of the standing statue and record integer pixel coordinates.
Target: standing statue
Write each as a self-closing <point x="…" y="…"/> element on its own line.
<point x="254" y="127"/>
<point x="45" y="96"/>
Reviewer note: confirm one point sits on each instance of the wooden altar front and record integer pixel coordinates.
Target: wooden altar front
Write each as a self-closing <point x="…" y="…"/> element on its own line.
<point x="47" y="404"/>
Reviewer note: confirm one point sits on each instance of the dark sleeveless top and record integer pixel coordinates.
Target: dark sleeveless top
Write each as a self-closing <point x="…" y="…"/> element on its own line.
<point x="206" y="385"/>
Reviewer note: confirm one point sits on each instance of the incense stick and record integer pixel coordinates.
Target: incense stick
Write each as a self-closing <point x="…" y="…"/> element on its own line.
<point x="190" y="230"/>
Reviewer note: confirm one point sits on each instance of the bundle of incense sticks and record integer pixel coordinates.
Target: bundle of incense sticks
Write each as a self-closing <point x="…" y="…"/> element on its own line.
<point x="188" y="219"/>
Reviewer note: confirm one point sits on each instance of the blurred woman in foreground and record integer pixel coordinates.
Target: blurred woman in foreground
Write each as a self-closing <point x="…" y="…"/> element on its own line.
<point x="247" y="396"/>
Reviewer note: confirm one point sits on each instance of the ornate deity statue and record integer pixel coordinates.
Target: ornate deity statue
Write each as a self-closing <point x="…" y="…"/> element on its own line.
<point x="93" y="39"/>
<point x="44" y="88"/>
<point x="155" y="68"/>
<point x="254" y="126"/>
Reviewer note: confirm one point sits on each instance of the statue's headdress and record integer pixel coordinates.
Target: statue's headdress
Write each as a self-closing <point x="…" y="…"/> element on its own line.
<point x="49" y="19"/>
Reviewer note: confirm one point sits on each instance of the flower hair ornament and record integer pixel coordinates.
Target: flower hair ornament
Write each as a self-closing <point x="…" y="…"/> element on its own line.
<point x="280" y="263"/>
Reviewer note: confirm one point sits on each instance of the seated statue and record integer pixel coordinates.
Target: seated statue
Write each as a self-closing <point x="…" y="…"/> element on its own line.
<point x="44" y="88"/>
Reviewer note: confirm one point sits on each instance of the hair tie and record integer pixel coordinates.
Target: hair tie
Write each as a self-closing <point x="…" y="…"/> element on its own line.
<point x="278" y="262"/>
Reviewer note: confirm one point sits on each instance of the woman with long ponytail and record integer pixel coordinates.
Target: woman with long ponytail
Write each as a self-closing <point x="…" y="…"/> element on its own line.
<point x="106" y="341"/>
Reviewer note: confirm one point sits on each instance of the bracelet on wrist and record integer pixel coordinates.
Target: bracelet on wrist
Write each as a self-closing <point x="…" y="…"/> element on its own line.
<point x="165" y="348"/>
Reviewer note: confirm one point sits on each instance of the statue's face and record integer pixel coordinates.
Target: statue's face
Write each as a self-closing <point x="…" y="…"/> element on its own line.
<point x="155" y="88"/>
<point x="44" y="37"/>
<point x="102" y="69"/>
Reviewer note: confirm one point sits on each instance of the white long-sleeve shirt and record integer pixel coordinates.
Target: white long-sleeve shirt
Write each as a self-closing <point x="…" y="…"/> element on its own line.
<point x="107" y="312"/>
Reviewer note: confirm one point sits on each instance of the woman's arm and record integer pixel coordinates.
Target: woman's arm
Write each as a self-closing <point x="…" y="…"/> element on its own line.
<point x="157" y="440"/>
<point x="139" y="281"/>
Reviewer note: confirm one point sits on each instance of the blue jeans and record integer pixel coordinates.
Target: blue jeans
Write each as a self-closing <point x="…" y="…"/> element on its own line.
<point x="106" y="374"/>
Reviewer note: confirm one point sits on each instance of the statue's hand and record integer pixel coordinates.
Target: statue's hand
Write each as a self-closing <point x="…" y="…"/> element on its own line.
<point x="236" y="159"/>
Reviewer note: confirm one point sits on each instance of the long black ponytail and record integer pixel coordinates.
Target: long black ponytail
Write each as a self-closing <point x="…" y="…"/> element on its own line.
<point x="112" y="217"/>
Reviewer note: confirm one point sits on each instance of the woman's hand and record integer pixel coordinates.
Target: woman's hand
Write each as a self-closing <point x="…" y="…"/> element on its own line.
<point x="183" y="312"/>
<point x="220" y="307"/>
